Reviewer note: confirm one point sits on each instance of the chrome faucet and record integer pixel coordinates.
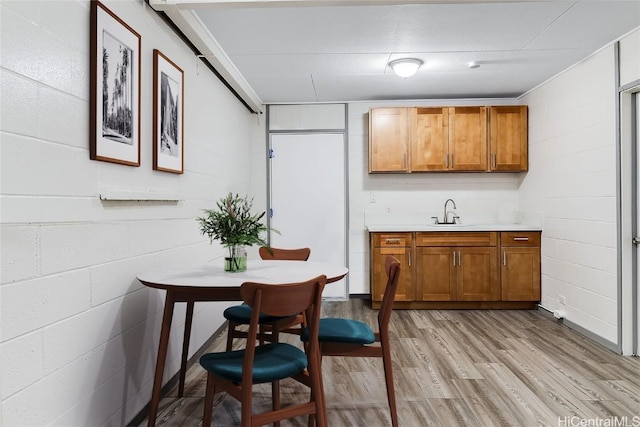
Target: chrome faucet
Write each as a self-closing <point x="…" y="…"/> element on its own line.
<point x="445" y="217"/>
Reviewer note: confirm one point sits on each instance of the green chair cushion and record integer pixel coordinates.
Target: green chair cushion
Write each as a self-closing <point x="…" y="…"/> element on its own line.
<point x="272" y="362"/>
<point x="241" y="314"/>
<point x="343" y="331"/>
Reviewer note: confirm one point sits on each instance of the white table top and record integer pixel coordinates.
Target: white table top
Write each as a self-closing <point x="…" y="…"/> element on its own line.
<point x="212" y="274"/>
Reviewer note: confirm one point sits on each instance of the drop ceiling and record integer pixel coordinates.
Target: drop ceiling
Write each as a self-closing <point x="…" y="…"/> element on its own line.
<point x="299" y="51"/>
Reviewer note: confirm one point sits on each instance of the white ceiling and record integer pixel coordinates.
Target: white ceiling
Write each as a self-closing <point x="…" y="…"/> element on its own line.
<point x="295" y="51"/>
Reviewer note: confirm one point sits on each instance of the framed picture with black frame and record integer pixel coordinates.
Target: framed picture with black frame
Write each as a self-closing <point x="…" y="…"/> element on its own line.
<point x="168" y="114"/>
<point x="115" y="88"/>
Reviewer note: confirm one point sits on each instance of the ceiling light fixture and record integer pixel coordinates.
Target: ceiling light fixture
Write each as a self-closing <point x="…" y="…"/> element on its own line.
<point x="473" y="64"/>
<point x="405" y="67"/>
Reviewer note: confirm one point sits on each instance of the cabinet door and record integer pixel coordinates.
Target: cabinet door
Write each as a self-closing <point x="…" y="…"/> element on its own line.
<point x="477" y="278"/>
<point x="508" y="138"/>
<point x="520" y="274"/>
<point x="388" y="139"/>
<point x="468" y="138"/>
<point x="435" y="274"/>
<point x="406" y="289"/>
<point x="429" y="139"/>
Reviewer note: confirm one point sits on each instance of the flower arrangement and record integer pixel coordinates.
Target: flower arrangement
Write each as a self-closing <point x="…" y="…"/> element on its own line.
<point x="233" y="224"/>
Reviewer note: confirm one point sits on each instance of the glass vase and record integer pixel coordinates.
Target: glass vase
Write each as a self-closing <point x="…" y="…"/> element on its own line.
<point x="237" y="259"/>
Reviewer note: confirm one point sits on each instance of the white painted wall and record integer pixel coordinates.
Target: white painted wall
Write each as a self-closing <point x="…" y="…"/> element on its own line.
<point x="79" y="332"/>
<point x="572" y="179"/>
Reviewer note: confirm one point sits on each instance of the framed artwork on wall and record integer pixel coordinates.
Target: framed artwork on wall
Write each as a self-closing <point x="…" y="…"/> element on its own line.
<point x="114" y="119"/>
<point x="168" y="115"/>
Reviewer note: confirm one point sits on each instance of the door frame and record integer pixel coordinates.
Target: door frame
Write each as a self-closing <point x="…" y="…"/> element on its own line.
<point x="628" y="101"/>
<point x="311" y="131"/>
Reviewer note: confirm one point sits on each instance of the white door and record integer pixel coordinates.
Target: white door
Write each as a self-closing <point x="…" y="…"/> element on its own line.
<point x="308" y="198"/>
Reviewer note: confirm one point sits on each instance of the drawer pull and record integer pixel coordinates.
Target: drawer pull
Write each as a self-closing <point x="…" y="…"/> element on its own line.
<point x="521" y="239"/>
<point x="393" y="241"/>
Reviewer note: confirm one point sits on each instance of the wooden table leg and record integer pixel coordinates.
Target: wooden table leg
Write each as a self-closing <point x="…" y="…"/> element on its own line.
<point x="188" y="320"/>
<point x="167" y="316"/>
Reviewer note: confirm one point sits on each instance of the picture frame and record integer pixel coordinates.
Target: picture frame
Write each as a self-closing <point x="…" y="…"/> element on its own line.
<point x="168" y="115"/>
<point x="114" y="119"/>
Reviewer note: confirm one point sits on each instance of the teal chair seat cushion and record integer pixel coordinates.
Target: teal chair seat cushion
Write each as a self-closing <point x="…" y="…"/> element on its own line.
<point x="241" y="314"/>
<point x="272" y="362"/>
<point x="343" y="331"/>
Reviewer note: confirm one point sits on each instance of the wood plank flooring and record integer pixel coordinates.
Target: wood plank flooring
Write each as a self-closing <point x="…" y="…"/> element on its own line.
<point x="454" y="368"/>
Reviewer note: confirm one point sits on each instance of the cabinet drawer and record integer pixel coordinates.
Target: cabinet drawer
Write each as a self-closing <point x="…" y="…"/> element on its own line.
<point x="457" y="238"/>
<point x="520" y="238"/>
<point x="382" y="240"/>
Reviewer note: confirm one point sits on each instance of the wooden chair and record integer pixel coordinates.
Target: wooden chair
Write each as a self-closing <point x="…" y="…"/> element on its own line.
<point x="241" y="314"/>
<point x="352" y="338"/>
<point x="235" y="372"/>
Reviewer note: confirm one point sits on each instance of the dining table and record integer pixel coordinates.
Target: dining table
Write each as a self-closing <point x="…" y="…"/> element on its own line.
<point x="210" y="282"/>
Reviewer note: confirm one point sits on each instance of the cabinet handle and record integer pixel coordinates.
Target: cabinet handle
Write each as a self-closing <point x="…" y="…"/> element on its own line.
<point x="504" y="257"/>
<point x="521" y="239"/>
<point x="454" y="258"/>
<point x="452" y="162"/>
<point x="392" y="241"/>
<point x="495" y="161"/>
<point x="459" y="259"/>
<point x="446" y="161"/>
<point x="409" y="258"/>
<point x="404" y="161"/>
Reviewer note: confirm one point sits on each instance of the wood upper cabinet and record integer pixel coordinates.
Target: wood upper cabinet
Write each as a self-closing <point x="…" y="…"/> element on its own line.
<point x="437" y="139"/>
<point x="388" y="139"/>
<point x="520" y="266"/>
<point x="508" y="138"/>
<point x="468" y="138"/>
<point x="400" y="246"/>
<point x="429" y="139"/>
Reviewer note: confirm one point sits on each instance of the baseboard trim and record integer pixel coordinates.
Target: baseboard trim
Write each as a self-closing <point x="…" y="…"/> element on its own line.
<point x="173" y="382"/>
<point x="581" y="330"/>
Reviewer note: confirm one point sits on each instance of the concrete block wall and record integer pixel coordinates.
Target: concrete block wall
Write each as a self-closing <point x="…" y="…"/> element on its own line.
<point x="573" y="178"/>
<point x="79" y="333"/>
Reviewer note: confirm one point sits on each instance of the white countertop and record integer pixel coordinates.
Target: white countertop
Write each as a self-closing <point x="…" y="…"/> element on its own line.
<point x="451" y="227"/>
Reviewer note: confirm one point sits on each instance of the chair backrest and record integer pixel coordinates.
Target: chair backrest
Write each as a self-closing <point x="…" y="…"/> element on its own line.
<point x="282" y="300"/>
<point x="392" y="268"/>
<point x="301" y="254"/>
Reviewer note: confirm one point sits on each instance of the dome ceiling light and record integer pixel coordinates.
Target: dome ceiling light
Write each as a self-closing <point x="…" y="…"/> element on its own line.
<point x="405" y="67"/>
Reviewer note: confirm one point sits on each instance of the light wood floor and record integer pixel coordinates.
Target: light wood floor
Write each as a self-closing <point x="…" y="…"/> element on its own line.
<point x="455" y="368"/>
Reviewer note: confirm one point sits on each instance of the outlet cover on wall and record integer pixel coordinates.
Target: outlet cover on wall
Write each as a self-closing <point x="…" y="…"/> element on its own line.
<point x="372" y="198"/>
<point x="563" y="299"/>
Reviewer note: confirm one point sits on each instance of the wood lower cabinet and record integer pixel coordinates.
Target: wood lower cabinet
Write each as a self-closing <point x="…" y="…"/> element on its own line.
<point x="457" y="266"/>
<point x="520" y="266"/>
<point x="478" y="274"/>
<point x="400" y="245"/>
<point x="460" y="269"/>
